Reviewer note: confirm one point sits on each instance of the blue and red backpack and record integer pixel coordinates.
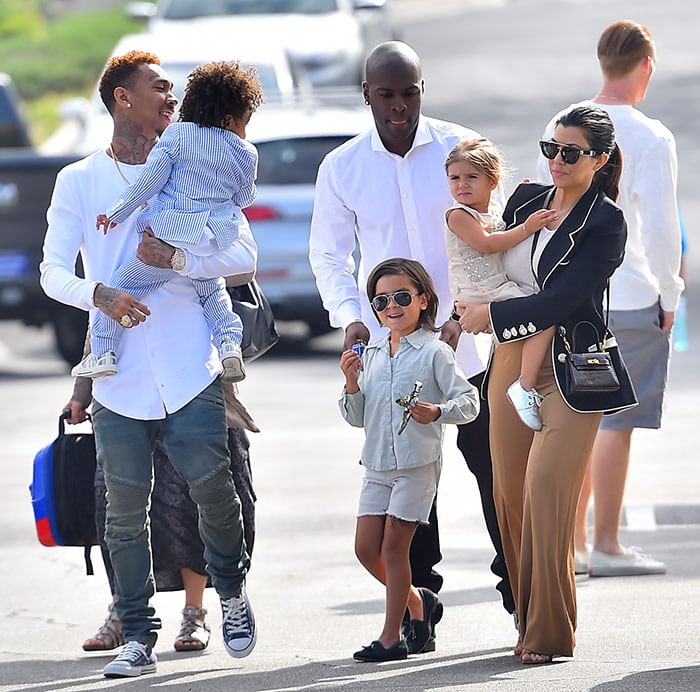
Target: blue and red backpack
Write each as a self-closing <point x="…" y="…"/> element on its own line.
<point x="63" y="491"/>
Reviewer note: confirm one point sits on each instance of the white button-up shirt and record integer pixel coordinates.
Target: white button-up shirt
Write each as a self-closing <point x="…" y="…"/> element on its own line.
<point x="393" y="206"/>
<point x="421" y="356"/>
<point x="169" y="359"/>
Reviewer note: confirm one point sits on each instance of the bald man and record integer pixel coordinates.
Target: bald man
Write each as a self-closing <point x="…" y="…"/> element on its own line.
<point x="387" y="188"/>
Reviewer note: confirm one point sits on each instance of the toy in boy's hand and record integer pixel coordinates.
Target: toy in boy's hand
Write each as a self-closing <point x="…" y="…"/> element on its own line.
<point x="359" y="347"/>
<point x="408" y="401"/>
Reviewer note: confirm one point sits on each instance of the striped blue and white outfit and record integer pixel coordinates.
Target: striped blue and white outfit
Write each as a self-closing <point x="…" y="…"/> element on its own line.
<point x="197" y="175"/>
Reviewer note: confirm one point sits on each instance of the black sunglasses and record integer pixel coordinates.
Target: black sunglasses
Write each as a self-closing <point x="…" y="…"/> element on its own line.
<point x="568" y="153"/>
<point x="403" y="299"/>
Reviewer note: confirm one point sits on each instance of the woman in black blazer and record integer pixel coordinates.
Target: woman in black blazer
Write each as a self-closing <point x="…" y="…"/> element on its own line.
<point x="538" y="475"/>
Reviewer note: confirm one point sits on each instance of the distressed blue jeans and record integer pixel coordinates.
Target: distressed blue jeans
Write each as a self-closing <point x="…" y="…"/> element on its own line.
<point x="195" y="438"/>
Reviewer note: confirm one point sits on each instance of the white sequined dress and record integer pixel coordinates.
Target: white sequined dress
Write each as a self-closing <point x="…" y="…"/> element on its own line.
<point x="474" y="275"/>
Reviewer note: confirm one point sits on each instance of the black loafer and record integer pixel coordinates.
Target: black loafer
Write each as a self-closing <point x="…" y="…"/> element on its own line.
<point x="376" y="653"/>
<point x="421" y="638"/>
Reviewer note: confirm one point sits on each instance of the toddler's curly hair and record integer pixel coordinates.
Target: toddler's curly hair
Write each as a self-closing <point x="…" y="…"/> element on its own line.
<point x="217" y="89"/>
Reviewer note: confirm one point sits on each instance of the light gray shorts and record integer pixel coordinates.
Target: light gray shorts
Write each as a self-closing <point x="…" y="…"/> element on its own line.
<point x="646" y="350"/>
<point x="406" y="494"/>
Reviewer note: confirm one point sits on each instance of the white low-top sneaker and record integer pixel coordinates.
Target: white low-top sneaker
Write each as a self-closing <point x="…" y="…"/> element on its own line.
<point x="633" y="562"/>
<point x="527" y="404"/>
<point x="94" y="367"/>
<point x="582" y="559"/>
<point x="133" y="660"/>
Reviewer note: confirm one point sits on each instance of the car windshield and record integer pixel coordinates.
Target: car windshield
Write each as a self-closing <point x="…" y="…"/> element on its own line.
<point x="186" y="9"/>
<point x="293" y="161"/>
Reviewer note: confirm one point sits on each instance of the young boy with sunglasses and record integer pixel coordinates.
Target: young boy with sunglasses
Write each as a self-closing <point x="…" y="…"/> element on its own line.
<point x="402" y="454"/>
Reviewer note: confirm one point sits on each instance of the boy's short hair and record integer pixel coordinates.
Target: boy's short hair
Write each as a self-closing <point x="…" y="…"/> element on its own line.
<point x="120" y="72"/>
<point x="622" y="46"/>
<point x="416" y="273"/>
<point x="218" y="89"/>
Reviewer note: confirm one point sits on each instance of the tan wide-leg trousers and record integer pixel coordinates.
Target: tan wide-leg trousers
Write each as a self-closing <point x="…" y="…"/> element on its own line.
<point x="537" y="480"/>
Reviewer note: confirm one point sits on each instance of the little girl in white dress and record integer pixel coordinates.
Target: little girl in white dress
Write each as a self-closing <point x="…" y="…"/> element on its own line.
<point x="475" y="237"/>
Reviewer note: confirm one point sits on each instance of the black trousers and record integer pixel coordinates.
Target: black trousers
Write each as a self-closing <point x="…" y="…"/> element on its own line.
<point x="473" y="442"/>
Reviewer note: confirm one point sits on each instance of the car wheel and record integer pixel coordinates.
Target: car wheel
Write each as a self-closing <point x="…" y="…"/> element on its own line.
<point x="70" y="327"/>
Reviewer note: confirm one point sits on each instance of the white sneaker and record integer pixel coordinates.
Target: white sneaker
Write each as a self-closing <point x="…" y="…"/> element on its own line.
<point x="231" y="361"/>
<point x="633" y="562"/>
<point x="133" y="660"/>
<point x="94" y="367"/>
<point x="238" y="625"/>
<point x="582" y="559"/>
<point x="527" y="404"/>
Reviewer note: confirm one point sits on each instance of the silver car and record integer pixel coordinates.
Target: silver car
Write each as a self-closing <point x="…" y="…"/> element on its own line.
<point x="326" y="41"/>
<point x="291" y="142"/>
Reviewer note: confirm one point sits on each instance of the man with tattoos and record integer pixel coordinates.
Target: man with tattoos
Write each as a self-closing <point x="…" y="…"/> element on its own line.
<point x="168" y="388"/>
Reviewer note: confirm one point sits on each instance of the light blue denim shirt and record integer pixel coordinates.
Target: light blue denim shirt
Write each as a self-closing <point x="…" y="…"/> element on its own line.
<point x="420" y="356"/>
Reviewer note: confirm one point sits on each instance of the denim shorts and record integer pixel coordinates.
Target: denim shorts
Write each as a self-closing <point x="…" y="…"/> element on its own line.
<point x="406" y="494"/>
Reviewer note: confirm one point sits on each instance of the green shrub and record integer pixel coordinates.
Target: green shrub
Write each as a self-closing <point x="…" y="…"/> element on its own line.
<point x="68" y="57"/>
<point x="21" y="18"/>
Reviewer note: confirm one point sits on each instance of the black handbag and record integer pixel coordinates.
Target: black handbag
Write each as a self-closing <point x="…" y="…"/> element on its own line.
<point x="259" y="330"/>
<point x="591" y="372"/>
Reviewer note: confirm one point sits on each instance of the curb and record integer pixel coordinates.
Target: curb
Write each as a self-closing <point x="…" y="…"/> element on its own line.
<point x="649" y="517"/>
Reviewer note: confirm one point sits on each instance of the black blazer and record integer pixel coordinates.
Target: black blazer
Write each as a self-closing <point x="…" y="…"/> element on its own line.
<point x="572" y="274"/>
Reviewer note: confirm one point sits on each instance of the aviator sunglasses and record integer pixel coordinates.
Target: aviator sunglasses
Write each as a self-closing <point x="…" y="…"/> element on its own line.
<point x="568" y="153"/>
<point x="403" y="299"/>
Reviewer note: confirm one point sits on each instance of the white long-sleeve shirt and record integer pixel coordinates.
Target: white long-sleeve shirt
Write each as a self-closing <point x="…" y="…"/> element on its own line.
<point x="166" y="361"/>
<point x="650" y="271"/>
<point x="395" y="207"/>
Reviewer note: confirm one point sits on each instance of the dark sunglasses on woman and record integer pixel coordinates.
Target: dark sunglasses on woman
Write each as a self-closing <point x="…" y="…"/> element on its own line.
<point x="403" y="299"/>
<point x="569" y="154"/>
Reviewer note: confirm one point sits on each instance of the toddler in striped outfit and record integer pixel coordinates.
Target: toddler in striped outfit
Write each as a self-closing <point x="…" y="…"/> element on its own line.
<point x="200" y="170"/>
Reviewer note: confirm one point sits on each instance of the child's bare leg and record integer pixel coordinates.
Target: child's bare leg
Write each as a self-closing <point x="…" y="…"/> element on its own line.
<point x="369" y="534"/>
<point x="396" y="545"/>
<point x="535" y="349"/>
<point x="369" y="546"/>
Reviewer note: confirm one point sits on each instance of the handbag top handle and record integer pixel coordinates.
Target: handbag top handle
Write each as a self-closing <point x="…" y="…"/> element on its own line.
<point x="571" y="347"/>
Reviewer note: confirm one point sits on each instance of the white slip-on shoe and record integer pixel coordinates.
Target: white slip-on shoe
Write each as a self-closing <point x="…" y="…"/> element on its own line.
<point x="633" y="562"/>
<point x="133" y="660"/>
<point x="96" y="367"/>
<point x="582" y="559"/>
<point x="527" y="404"/>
